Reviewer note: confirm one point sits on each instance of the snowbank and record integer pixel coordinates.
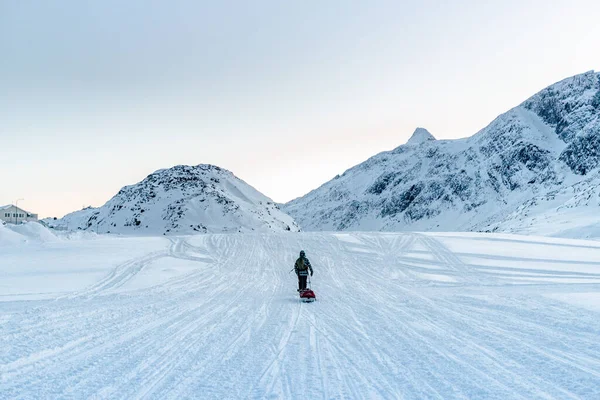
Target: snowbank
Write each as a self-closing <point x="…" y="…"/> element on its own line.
<point x="77" y="235"/>
<point x="25" y="233"/>
<point x="10" y="238"/>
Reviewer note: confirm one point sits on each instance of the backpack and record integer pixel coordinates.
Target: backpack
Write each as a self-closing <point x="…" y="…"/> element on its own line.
<point x="301" y="265"/>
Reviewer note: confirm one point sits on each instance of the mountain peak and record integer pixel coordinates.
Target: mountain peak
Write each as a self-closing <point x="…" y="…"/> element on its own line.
<point x="506" y="176"/>
<point x="184" y="199"/>
<point x="419" y="136"/>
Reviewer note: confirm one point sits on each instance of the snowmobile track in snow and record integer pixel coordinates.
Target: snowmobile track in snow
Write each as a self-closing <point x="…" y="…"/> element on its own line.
<point x="399" y="316"/>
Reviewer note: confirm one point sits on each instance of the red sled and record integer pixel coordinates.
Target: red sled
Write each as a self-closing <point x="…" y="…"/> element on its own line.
<point x="307" y="295"/>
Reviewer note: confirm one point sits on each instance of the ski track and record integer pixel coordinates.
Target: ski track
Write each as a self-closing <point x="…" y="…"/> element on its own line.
<point x="383" y="326"/>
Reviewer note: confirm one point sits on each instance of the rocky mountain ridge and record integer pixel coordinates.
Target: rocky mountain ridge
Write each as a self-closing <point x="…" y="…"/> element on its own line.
<point x="547" y="144"/>
<point x="183" y="199"/>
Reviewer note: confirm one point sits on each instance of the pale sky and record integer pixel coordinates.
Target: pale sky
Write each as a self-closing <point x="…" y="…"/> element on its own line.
<point x="95" y="95"/>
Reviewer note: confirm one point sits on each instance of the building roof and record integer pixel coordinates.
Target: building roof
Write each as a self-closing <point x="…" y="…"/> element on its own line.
<point x="6" y="207"/>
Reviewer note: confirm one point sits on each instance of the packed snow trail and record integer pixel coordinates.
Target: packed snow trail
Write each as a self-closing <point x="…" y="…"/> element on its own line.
<point x="399" y="315"/>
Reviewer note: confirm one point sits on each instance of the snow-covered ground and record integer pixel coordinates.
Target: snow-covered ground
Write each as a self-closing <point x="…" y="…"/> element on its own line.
<point x="399" y="315"/>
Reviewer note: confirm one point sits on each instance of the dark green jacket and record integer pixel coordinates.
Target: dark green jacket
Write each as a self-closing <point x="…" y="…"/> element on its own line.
<point x="298" y="266"/>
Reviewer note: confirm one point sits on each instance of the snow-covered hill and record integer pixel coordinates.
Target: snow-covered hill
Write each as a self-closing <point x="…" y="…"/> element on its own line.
<point x="531" y="164"/>
<point x="29" y="232"/>
<point x="183" y="199"/>
<point x="397" y="316"/>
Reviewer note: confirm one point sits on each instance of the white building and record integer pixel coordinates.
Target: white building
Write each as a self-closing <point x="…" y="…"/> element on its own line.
<point x="15" y="215"/>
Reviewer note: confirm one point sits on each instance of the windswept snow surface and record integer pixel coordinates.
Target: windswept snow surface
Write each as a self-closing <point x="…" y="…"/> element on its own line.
<point x="399" y="315"/>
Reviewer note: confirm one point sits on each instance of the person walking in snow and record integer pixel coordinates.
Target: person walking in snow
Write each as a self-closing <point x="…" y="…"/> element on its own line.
<point x="301" y="267"/>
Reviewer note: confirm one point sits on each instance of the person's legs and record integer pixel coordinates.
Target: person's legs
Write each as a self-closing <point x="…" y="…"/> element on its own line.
<point x="302" y="282"/>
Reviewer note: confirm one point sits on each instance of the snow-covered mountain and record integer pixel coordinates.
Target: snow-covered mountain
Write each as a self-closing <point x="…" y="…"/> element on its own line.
<point x="183" y="199"/>
<point x="534" y="163"/>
